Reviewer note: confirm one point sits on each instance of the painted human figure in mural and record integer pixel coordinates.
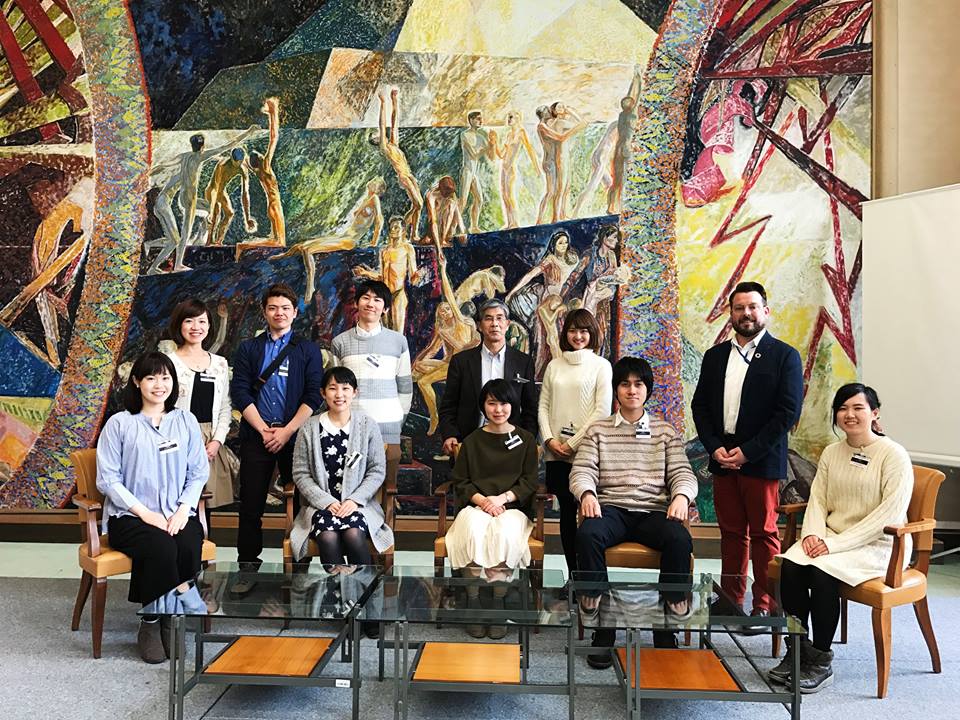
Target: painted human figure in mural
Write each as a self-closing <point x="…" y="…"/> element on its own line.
<point x="556" y="264"/>
<point x="709" y="180"/>
<point x="366" y="213"/>
<point x="444" y="218"/>
<point x="217" y="196"/>
<point x="388" y="140"/>
<point x="509" y="150"/>
<point x="398" y="264"/>
<point x="184" y="185"/>
<point x="609" y="158"/>
<point x="453" y="331"/>
<point x="262" y="166"/>
<point x="487" y="282"/>
<point x="603" y="274"/>
<point x="558" y="123"/>
<point x="47" y="262"/>
<point x="475" y="145"/>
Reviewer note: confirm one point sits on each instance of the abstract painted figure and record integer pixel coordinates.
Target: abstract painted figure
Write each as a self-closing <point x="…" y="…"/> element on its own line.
<point x="444" y="217"/>
<point x="365" y="214"/>
<point x="509" y="152"/>
<point x="262" y="166"/>
<point x="474" y="145"/>
<point x="452" y="332"/>
<point x="557" y="125"/>
<point x="184" y="184"/>
<point x="398" y="262"/>
<point x="388" y="140"/>
<point x="218" y="198"/>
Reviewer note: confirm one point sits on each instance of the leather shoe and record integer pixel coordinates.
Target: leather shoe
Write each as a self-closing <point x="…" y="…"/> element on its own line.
<point x="603" y="658"/>
<point x="759" y="628"/>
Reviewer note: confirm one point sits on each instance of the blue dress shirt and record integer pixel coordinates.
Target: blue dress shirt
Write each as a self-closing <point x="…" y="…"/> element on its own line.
<point x="273" y="396"/>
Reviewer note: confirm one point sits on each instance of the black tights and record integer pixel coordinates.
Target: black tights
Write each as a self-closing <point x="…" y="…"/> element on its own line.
<point x="557" y="477"/>
<point x="810" y="594"/>
<point x="352" y="542"/>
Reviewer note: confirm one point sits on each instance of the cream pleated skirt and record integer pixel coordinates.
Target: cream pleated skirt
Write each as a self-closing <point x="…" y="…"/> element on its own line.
<point x="480" y="539"/>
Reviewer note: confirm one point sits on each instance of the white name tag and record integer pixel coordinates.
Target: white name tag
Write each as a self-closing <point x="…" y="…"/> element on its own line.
<point x="642" y="433"/>
<point x="167" y="446"/>
<point x="205" y="377"/>
<point x="568" y="431"/>
<point x="284" y="370"/>
<point x="859" y="459"/>
<point x="373" y="360"/>
<point x="513" y="441"/>
<point x="519" y="379"/>
<point x="353" y="459"/>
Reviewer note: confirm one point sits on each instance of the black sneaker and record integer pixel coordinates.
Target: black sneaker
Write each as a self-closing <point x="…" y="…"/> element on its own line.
<point x="782" y="672"/>
<point x="816" y="671"/>
<point x="605" y="639"/>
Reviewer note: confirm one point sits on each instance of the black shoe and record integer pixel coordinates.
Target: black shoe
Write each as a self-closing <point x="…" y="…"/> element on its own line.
<point x="759" y="628"/>
<point x="602" y="639"/>
<point x="665" y="639"/>
<point x="371" y="630"/>
<point x="816" y="671"/>
<point x="782" y="672"/>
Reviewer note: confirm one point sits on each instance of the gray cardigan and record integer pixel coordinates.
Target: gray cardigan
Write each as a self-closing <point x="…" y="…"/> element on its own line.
<point x="360" y="483"/>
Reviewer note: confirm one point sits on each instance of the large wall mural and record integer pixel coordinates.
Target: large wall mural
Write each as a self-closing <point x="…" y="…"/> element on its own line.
<point x="634" y="157"/>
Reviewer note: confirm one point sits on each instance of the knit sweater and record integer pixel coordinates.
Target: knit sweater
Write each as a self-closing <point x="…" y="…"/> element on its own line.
<point x="381" y="362"/>
<point x="487" y="466"/>
<point x="576" y="392"/>
<point x="849" y="506"/>
<point x="629" y="472"/>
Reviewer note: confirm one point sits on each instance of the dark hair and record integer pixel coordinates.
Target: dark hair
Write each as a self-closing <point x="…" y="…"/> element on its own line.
<point x="749" y="287"/>
<point x="606" y="231"/>
<point x="196" y="142"/>
<point x="850" y="390"/>
<point x="343" y="376"/>
<point x="552" y="247"/>
<point x="500" y="390"/>
<point x="279" y="290"/>
<point x="627" y="366"/>
<point x="149" y="363"/>
<point x="494" y="304"/>
<point x="583" y="319"/>
<point x="447" y="186"/>
<point x="189" y="308"/>
<point x="471" y="115"/>
<point x="378" y="288"/>
<point x="237" y="153"/>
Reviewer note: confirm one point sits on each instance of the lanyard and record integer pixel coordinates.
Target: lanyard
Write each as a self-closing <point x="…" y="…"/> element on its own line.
<point x="743" y="356"/>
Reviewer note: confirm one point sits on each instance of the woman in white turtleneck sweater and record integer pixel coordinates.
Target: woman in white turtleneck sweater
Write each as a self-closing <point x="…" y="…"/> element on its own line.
<point x="576" y="392"/>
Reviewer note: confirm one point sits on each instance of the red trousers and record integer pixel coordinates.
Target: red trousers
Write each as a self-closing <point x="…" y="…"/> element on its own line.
<point x="747" y="514"/>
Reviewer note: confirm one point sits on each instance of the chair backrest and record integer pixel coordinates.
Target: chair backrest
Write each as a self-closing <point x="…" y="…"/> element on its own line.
<point x="923" y="502"/>
<point x="85" y="468"/>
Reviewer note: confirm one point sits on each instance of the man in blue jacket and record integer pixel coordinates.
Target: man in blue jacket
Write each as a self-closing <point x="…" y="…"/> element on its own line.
<point x="275" y="399"/>
<point x="747" y="399"/>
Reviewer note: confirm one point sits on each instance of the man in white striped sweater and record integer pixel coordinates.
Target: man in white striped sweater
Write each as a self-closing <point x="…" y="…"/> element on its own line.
<point x="380" y="358"/>
<point x="634" y="483"/>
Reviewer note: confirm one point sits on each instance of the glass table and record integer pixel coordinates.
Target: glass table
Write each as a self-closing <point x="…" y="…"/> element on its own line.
<point x="411" y="597"/>
<point x="310" y="593"/>
<point x="636" y="601"/>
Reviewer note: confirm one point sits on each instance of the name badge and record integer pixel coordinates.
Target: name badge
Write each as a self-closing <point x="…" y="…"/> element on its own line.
<point x="373" y="360"/>
<point x="642" y="433"/>
<point x="353" y="459"/>
<point x="284" y="369"/>
<point x="859" y="459"/>
<point x="568" y="431"/>
<point x="206" y="377"/>
<point x="167" y="446"/>
<point x="513" y="441"/>
<point x="519" y="379"/>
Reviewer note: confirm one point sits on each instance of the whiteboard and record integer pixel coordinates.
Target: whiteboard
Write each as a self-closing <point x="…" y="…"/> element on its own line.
<point x="911" y="319"/>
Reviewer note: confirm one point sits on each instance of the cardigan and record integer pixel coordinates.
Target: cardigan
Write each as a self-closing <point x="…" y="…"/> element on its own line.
<point x="630" y="472"/>
<point x="220" y="372"/>
<point x="849" y="506"/>
<point x="360" y="483"/>
<point x="487" y="466"/>
<point x="576" y="392"/>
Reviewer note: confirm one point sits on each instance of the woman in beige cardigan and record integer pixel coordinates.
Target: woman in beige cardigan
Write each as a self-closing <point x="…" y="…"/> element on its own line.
<point x="863" y="483"/>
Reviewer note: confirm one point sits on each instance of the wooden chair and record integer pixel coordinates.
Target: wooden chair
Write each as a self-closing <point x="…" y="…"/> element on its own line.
<point x="536" y="541"/>
<point x="899" y="586"/>
<point x="97" y="559"/>
<point x="386" y="496"/>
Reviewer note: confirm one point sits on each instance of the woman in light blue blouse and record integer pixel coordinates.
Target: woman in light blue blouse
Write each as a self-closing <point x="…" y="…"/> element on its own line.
<point x="151" y="468"/>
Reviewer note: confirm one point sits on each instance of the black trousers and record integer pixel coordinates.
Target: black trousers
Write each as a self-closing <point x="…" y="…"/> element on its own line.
<point x="810" y="594"/>
<point x="652" y="529"/>
<point x="160" y="561"/>
<point x="256" y="470"/>
<point x="557" y="477"/>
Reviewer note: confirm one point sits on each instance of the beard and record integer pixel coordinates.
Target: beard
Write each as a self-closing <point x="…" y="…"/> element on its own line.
<point x="748" y="328"/>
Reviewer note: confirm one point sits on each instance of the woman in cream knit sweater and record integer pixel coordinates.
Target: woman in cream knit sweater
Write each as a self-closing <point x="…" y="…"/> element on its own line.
<point x="863" y="483"/>
<point x="576" y="392"/>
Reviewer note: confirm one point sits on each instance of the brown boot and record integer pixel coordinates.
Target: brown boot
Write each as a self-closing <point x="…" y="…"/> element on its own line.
<point x="149" y="642"/>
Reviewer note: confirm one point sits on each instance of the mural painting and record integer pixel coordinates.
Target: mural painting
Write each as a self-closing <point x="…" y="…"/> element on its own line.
<point x="456" y="150"/>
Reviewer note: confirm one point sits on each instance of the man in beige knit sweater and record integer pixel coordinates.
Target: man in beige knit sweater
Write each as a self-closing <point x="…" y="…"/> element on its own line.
<point x="634" y="484"/>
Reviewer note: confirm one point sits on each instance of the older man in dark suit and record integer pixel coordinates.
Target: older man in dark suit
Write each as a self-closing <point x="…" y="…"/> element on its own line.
<point x="469" y="369"/>
<point x="748" y="397"/>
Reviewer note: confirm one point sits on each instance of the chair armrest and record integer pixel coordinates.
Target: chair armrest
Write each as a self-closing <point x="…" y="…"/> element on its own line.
<point x="791" y="508"/>
<point x="909" y="528"/>
<point x="89" y="531"/>
<point x="441" y="492"/>
<point x="288" y="492"/>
